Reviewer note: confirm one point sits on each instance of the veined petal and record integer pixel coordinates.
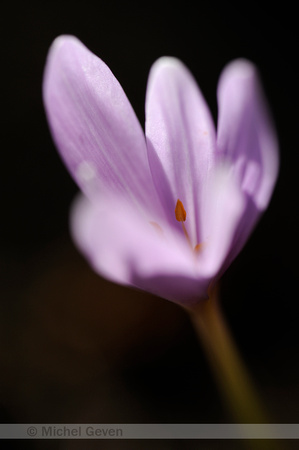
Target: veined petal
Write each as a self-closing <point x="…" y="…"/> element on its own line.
<point x="180" y="138"/>
<point x="123" y="247"/>
<point x="94" y="125"/>
<point x="246" y="139"/>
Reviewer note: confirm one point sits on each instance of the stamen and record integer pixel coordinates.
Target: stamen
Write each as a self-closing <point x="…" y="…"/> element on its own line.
<point x="186" y="234"/>
<point x="180" y="215"/>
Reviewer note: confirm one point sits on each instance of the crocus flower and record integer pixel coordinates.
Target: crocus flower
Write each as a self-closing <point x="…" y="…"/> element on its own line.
<point x="168" y="211"/>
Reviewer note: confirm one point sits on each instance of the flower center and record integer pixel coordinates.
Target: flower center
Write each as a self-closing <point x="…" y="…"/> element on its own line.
<point x="181" y="215"/>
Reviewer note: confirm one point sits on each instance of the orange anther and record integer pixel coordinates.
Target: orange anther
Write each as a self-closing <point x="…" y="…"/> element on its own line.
<point x="180" y="213"/>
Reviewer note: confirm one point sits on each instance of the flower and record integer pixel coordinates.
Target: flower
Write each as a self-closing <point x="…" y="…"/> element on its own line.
<point x="169" y="211"/>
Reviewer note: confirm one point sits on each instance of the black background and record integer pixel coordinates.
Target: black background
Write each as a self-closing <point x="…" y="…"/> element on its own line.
<point x="75" y="348"/>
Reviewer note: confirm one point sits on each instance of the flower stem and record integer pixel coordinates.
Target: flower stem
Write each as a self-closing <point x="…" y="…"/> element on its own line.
<point x="229" y="371"/>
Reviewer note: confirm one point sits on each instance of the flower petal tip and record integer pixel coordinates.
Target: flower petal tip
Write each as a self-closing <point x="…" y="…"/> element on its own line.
<point x="167" y="65"/>
<point x="62" y="43"/>
<point x="64" y="39"/>
<point x="239" y="68"/>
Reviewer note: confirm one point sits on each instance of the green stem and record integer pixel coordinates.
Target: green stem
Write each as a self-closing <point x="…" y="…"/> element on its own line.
<point x="229" y="371"/>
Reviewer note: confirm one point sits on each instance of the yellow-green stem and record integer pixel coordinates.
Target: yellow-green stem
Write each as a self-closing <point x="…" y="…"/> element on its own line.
<point x="231" y="376"/>
<point x="229" y="371"/>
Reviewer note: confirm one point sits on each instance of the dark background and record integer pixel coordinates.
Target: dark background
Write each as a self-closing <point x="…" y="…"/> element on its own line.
<point x="74" y="347"/>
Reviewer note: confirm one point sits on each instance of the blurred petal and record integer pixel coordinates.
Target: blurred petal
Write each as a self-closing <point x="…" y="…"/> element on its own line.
<point x="94" y="125"/>
<point x="247" y="140"/>
<point x="123" y="247"/>
<point x="246" y="136"/>
<point x="180" y="137"/>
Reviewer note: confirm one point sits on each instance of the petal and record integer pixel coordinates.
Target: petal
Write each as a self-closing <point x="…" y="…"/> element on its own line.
<point x="126" y="249"/>
<point x="245" y="132"/>
<point x="180" y="138"/>
<point x="94" y="125"/>
<point x="223" y="206"/>
<point x="246" y="138"/>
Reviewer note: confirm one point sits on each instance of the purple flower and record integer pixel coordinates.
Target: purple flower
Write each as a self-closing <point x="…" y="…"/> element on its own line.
<point x="169" y="211"/>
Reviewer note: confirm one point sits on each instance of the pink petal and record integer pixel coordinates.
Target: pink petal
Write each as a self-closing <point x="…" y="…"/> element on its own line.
<point x="245" y="131"/>
<point x="180" y="137"/>
<point x="94" y="125"/>
<point x="222" y="208"/>
<point x="125" y="248"/>
<point x="247" y="139"/>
